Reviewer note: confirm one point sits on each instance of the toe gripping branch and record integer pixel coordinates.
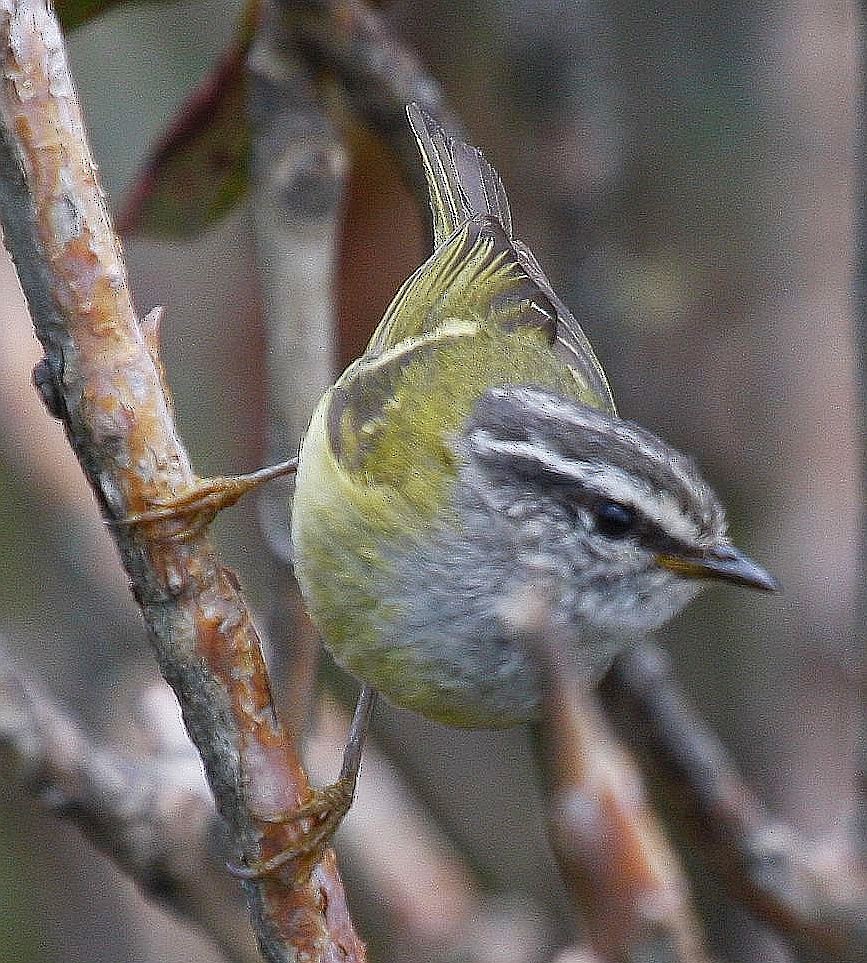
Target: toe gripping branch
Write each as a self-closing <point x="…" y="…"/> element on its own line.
<point x="197" y="507"/>
<point x="327" y="807"/>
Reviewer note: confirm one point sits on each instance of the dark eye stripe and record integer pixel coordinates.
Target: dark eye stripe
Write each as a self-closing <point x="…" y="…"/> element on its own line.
<point x="537" y="425"/>
<point x="581" y="484"/>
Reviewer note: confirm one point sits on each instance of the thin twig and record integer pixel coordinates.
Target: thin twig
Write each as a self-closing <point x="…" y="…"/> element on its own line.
<point x="108" y="391"/>
<point x="811" y="893"/>
<point x="614" y="855"/>
<point x="150" y="815"/>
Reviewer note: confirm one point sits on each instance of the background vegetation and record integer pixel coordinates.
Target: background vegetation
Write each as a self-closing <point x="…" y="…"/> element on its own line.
<point x="688" y="176"/>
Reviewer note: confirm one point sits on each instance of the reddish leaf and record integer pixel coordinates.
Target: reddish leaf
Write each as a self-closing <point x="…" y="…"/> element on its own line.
<point x="199" y="170"/>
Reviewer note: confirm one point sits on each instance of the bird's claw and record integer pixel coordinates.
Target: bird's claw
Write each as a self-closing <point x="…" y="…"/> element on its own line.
<point x="325" y="809"/>
<point x="197" y="507"/>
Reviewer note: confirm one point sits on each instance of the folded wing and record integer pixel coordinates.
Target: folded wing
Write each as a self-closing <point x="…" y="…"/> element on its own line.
<point x="478" y="272"/>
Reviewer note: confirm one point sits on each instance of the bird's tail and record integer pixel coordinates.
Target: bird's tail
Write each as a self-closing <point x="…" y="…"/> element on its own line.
<point x="461" y="182"/>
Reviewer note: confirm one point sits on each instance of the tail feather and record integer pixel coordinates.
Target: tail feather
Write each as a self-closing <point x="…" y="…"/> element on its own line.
<point x="461" y="182"/>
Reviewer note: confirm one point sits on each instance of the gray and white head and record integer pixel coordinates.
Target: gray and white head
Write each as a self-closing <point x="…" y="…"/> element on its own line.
<point x="619" y="525"/>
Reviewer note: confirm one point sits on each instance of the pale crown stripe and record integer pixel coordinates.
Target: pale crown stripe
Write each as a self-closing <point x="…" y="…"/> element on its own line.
<point x="606" y="481"/>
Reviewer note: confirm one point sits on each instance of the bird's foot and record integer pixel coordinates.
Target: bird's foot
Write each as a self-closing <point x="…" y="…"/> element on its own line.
<point x="324" y="811"/>
<point x="197" y="507"/>
<point x="326" y="808"/>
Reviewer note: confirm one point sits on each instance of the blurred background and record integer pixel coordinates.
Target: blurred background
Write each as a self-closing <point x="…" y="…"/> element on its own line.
<point x="687" y="174"/>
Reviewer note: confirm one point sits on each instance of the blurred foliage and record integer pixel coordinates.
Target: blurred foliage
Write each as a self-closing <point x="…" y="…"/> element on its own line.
<point x="22" y="934"/>
<point x="686" y="176"/>
<point x="76" y="13"/>
<point x="200" y="170"/>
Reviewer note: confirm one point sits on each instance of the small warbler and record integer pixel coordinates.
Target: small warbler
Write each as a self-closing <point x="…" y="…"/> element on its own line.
<point x="474" y="450"/>
<point x="473" y="454"/>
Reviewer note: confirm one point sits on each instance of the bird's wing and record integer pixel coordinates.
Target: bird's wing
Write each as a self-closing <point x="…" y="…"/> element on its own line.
<point x="478" y="272"/>
<point x="572" y="344"/>
<point x="475" y="276"/>
<point x="474" y="316"/>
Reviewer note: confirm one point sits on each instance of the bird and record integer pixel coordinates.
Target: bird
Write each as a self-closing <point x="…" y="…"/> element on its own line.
<point x="473" y="454"/>
<point x="474" y="450"/>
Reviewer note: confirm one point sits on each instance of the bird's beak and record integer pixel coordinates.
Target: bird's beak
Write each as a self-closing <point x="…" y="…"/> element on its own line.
<point x="723" y="562"/>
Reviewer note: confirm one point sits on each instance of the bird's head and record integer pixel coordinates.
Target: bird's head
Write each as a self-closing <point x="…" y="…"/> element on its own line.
<point x="619" y="525"/>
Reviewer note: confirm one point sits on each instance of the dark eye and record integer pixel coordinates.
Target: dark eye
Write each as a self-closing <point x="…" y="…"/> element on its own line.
<point x="613" y="520"/>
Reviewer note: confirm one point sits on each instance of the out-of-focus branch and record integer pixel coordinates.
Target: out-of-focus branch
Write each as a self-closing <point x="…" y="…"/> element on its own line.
<point x="298" y="175"/>
<point x="377" y="73"/>
<point x="101" y="378"/>
<point x="615" y="858"/>
<point x="813" y="893"/>
<point x="296" y="180"/>
<point x="432" y="897"/>
<point x="153" y="816"/>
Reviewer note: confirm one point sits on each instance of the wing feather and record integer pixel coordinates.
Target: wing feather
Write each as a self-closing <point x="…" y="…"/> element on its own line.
<point x="465" y="190"/>
<point x="479" y="312"/>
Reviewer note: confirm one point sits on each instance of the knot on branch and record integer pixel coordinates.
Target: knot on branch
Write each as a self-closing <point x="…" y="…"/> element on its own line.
<point x="46" y="380"/>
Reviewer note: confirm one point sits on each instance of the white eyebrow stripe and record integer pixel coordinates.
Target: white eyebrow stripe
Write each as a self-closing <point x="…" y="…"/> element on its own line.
<point x="606" y="481"/>
<point x="580" y="418"/>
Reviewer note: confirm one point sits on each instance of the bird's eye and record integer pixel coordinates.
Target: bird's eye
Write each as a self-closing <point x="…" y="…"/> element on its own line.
<point x="613" y="519"/>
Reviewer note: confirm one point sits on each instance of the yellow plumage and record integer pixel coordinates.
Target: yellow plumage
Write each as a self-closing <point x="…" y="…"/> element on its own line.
<point x="377" y="463"/>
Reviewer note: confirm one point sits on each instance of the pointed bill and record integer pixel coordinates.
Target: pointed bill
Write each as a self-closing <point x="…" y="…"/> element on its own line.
<point x="723" y="562"/>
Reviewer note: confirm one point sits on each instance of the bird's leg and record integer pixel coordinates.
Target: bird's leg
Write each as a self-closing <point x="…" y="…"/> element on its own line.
<point x="327" y="806"/>
<point x="200" y="503"/>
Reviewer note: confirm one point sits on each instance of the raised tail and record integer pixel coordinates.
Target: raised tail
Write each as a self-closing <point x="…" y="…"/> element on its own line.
<point x="461" y="182"/>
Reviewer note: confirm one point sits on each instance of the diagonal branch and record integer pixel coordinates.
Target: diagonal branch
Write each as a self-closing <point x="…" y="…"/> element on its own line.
<point x="150" y="815"/>
<point x="814" y="895"/>
<point x="613" y="853"/>
<point x="105" y="384"/>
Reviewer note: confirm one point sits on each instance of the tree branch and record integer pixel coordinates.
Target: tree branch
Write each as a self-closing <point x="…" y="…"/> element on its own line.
<point x="377" y="73"/>
<point x="296" y="179"/>
<point x="153" y="816"/>
<point x="615" y="858"/>
<point x="813" y="894"/>
<point x="105" y="384"/>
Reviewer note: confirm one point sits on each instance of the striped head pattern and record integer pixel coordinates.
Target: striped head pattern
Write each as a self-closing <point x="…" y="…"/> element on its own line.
<point x="620" y="522"/>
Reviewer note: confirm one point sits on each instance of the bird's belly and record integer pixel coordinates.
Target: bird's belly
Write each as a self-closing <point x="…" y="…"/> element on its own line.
<point x="425" y="652"/>
<point x="396" y="602"/>
<point x="453" y="668"/>
<point x="411" y="604"/>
